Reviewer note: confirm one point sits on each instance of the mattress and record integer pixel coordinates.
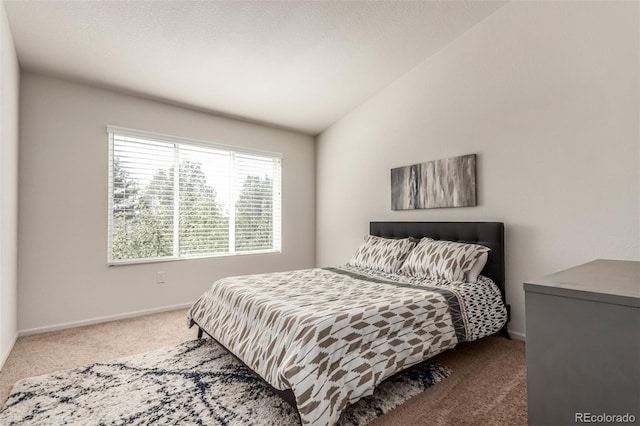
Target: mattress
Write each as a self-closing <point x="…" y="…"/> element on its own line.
<point x="332" y="334"/>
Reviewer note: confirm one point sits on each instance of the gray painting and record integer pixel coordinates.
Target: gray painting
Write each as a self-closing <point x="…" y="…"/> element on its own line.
<point x="450" y="182"/>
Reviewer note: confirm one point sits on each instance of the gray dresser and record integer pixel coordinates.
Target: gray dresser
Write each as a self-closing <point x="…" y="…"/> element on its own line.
<point x="583" y="344"/>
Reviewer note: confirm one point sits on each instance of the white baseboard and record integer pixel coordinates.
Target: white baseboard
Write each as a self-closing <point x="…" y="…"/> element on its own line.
<point x="518" y="336"/>
<point x="5" y="355"/>
<point x="97" y="320"/>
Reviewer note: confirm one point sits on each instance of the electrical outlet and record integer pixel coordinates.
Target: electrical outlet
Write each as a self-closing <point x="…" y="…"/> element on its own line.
<point x="160" y="277"/>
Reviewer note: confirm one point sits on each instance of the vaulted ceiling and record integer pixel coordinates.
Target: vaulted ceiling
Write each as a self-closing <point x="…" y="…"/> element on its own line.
<point x="300" y="65"/>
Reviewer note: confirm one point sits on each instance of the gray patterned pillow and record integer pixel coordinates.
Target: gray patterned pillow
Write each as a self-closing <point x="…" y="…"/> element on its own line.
<point x="442" y="260"/>
<point x="382" y="254"/>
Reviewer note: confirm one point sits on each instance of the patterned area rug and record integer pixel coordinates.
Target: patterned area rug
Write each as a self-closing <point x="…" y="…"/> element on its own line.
<point x="197" y="382"/>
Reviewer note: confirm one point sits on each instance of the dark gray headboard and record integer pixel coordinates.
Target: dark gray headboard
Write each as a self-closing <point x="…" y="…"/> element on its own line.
<point x="490" y="234"/>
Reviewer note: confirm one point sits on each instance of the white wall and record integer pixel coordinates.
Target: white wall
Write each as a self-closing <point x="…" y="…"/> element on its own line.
<point x="9" y="86"/>
<point x="63" y="272"/>
<point x="547" y="94"/>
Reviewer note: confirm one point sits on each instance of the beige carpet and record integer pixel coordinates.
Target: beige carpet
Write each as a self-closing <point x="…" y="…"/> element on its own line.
<point x="487" y="386"/>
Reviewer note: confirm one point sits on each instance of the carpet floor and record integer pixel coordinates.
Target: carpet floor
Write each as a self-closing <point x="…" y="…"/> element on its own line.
<point x="487" y="384"/>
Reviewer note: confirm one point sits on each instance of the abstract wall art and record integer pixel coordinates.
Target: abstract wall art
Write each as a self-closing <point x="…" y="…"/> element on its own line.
<point x="450" y="182"/>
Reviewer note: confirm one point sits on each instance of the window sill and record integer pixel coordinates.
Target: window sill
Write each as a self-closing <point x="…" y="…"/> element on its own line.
<point x="125" y="262"/>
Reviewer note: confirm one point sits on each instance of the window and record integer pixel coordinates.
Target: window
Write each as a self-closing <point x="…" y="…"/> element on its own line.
<point x="221" y="201"/>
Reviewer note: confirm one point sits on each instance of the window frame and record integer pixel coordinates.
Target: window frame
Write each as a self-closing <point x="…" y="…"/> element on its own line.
<point x="112" y="131"/>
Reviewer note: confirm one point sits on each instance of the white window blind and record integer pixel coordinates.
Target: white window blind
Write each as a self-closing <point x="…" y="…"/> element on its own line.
<point x="221" y="201"/>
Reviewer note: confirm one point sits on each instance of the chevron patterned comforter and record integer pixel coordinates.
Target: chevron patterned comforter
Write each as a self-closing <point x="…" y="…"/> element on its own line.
<point x="331" y="335"/>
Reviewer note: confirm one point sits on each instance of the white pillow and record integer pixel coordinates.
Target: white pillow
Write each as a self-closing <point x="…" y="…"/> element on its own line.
<point x="472" y="275"/>
<point x="442" y="260"/>
<point x="382" y="254"/>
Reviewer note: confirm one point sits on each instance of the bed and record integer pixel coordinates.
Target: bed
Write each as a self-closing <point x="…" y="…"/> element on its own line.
<point x="329" y="336"/>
